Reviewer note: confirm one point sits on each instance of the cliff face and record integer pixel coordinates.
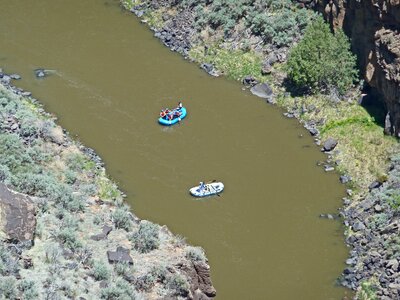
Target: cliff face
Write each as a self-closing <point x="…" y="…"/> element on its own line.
<point x="374" y="29"/>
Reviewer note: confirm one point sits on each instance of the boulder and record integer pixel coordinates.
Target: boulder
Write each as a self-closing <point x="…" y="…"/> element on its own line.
<point x="357" y="226"/>
<point x="121" y="255"/>
<point x="17" y="216"/>
<point x="209" y="68"/>
<point x="266" y="68"/>
<point x="313" y="131"/>
<point x="263" y="90"/>
<point x="344" y="179"/>
<point x="249" y="81"/>
<point x="103" y="235"/>
<point x="374" y="185"/>
<point x="330" y="144"/>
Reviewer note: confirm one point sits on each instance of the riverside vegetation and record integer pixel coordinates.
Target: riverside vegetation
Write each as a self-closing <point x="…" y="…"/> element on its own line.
<point x="86" y="241"/>
<point x="313" y="76"/>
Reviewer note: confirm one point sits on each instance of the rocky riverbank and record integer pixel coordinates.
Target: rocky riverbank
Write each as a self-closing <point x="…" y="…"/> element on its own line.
<point x="355" y="144"/>
<point x="65" y="231"/>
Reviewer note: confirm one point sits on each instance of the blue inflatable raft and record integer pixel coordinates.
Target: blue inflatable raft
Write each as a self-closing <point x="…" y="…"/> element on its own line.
<point x="166" y="120"/>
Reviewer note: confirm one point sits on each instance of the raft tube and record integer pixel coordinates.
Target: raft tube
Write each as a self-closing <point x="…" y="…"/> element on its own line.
<point x="175" y="120"/>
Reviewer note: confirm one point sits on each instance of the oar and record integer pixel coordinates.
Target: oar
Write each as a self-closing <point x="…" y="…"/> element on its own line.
<point x="214" y="188"/>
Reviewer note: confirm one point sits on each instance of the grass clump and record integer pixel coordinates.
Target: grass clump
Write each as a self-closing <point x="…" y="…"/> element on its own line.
<point x="121" y="218"/>
<point x="363" y="149"/>
<point x="8" y="287"/>
<point x="120" y="290"/>
<point x="195" y="254"/>
<point x="147" y="237"/>
<point x="68" y="237"/>
<point x="367" y="291"/>
<point x="28" y="289"/>
<point x="234" y="64"/>
<point x="178" y="285"/>
<point x="107" y="190"/>
<point x="100" y="271"/>
<point x="8" y="264"/>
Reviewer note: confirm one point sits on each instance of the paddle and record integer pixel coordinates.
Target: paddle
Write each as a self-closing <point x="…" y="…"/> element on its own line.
<point x="214" y="187"/>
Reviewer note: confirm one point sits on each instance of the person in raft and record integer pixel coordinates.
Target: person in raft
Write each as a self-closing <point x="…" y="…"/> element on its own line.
<point x="179" y="105"/>
<point x="164" y="113"/>
<point x="201" y="186"/>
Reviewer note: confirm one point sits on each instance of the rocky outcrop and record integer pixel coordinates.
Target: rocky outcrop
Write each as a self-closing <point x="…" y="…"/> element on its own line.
<point x="375" y="228"/>
<point x="374" y="29"/>
<point x="17" y="216"/>
<point x="199" y="279"/>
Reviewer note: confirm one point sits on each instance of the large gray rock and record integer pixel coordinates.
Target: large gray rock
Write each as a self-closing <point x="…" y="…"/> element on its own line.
<point x="330" y="144"/>
<point x="17" y="216"/>
<point x="121" y="255"/>
<point x="263" y="90"/>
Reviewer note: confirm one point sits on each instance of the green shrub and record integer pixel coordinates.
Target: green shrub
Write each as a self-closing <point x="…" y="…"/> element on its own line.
<point x="322" y="60"/>
<point x="8" y="264"/>
<point x="67" y="236"/>
<point x="195" y="254"/>
<point x="178" y="285"/>
<point x="159" y="272"/>
<point x="121" y="218"/>
<point x="100" y="271"/>
<point x="123" y="269"/>
<point x="28" y="289"/>
<point x="120" y="290"/>
<point x="146" y="238"/>
<point x="8" y="287"/>
<point x="145" y="282"/>
<point x="53" y="253"/>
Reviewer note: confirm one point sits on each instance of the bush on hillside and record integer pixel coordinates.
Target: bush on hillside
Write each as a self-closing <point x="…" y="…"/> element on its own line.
<point x="147" y="237"/>
<point x="278" y="22"/>
<point x="322" y="61"/>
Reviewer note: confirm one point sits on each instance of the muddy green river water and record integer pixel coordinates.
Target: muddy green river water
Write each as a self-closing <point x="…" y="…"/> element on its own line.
<point x="262" y="236"/>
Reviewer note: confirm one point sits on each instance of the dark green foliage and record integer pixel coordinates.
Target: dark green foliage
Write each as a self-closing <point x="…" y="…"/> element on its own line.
<point x="146" y="238"/>
<point x="322" y="61"/>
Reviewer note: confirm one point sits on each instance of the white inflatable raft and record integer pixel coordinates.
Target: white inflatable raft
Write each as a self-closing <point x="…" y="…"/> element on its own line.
<point x="207" y="189"/>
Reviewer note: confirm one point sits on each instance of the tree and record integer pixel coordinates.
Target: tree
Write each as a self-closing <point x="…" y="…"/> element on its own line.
<point x="322" y="60"/>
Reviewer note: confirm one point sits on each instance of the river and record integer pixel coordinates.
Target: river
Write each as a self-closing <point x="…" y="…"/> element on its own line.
<point x="262" y="235"/>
